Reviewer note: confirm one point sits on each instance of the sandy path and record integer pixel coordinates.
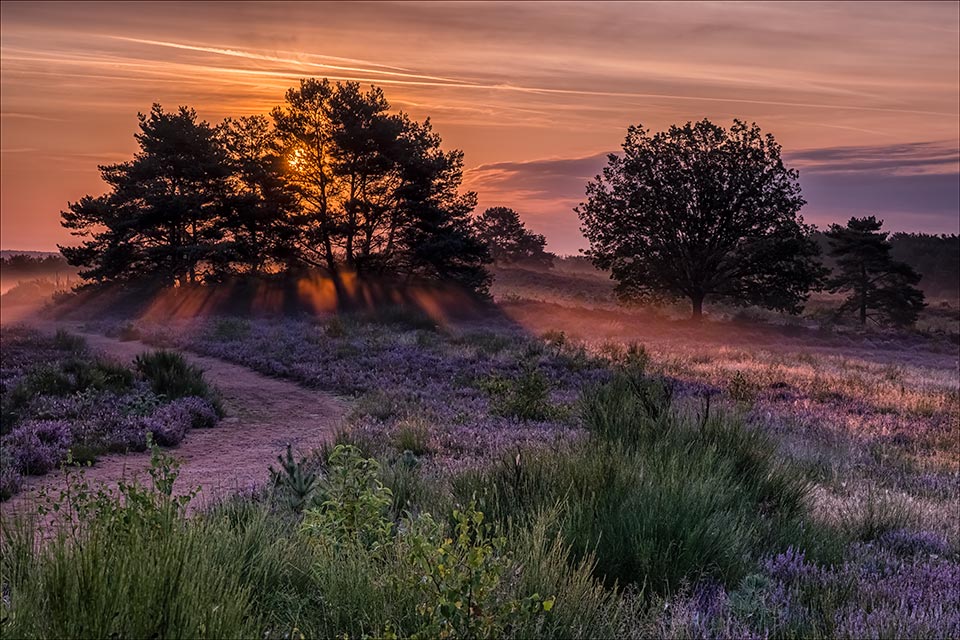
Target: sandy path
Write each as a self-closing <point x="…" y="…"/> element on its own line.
<point x="262" y="415"/>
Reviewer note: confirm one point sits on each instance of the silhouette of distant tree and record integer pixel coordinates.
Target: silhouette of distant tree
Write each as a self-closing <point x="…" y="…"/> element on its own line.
<point x="935" y="257"/>
<point x="701" y="212"/>
<point x="374" y="190"/>
<point x="159" y="218"/>
<point x="880" y="287"/>
<point x="508" y="239"/>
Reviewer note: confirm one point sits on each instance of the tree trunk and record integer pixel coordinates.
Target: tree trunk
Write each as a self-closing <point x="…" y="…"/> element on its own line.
<point x="697" y="300"/>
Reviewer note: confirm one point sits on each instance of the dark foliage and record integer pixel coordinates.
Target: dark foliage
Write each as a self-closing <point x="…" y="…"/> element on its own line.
<point x="375" y="193"/>
<point x="935" y="258"/>
<point x="701" y="212"/>
<point x="172" y="377"/>
<point x="509" y="241"/>
<point x="335" y="182"/>
<point x="879" y="287"/>
<point x="159" y="217"/>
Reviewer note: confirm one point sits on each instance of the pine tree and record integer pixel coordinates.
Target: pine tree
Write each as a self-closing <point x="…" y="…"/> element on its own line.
<point x="881" y="288"/>
<point x="158" y="219"/>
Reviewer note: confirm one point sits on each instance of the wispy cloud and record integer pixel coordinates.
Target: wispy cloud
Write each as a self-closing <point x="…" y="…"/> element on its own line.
<point x="509" y="83"/>
<point x="936" y="157"/>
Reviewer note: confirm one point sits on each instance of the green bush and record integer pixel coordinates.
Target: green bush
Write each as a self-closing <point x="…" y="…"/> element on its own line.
<point x="230" y="329"/>
<point x="526" y="397"/>
<point x="172" y="377"/>
<point x="656" y="497"/>
<point x="100" y="375"/>
<point x="412" y="435"/>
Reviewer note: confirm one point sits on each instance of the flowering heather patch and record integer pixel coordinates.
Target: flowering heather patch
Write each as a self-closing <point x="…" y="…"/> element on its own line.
<point x="37" y="446"/>
<point x="875" y="593"/>
<point x="396" y="374"/>
<point x="56" y="396"/>
<point x="875" y="432"/>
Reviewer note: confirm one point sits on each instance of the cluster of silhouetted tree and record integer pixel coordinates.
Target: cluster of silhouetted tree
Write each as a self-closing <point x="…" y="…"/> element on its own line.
<point x="333" y="181"/>
<point x="509" y="241"/>
<point x="702" y="212"/>
<point x="330" y="180"/>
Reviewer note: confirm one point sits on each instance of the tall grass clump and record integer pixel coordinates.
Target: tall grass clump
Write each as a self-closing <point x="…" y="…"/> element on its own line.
<point x="525" y="397"/>
<point x="656" y="497"/>
<point x="122" y="566"/>
<point x="171" y="376"/>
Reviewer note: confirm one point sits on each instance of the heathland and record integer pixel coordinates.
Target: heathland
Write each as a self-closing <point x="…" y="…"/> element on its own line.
<point x="551" y="465"/>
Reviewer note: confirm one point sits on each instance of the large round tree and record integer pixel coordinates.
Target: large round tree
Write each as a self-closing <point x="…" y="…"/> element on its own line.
<point x="702" y="212"/>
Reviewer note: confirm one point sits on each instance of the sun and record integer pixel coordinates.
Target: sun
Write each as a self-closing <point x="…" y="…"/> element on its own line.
<point x="296" y="158"/>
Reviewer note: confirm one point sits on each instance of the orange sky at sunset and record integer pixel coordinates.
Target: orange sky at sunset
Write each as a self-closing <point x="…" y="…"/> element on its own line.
<point x="863" y="97"/>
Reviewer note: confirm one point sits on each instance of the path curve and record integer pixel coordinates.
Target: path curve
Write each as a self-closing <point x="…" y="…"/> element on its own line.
<point x="262" y="415"/>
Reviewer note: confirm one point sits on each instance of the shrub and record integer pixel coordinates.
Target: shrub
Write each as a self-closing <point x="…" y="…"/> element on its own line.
<point x="335" y="328"/>
<point x="171" y="376"/>
<point x="352" y="502"/>
<point x="38" y="446"/>
<point x="525" y="397"/>
<point x="10" y="473"/>
<point x="203" y="414"/>
<point x="741" y="389"/>
<point x="412" y="435"/>
<point x="128" y="333"/>
<point x="168" y="424"/>
<point x="66" y="341"/>
<point x="99" y="375"/>
<point x="656" y="497"/>
<point x="461" y="575"/>
<point x="230" y="329"/>
<point x="404" y="317"/>
<point x="555" y="338"/>
<point x="294" y="480"/>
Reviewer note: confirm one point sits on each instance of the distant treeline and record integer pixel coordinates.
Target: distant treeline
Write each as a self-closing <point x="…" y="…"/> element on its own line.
<point x="935" y="257"/>
<point x="20" y="265"/>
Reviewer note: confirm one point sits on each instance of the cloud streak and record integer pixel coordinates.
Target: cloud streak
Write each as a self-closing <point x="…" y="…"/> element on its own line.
<point x="509" y="83"/>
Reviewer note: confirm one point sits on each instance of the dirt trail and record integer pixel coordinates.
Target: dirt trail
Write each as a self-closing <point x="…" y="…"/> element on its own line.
<point x="262" y="415"/>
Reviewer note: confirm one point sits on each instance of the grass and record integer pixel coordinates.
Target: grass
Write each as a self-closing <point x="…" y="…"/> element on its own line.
<point x="704" y="493"/>
<point x="135" y="566"/>
<point x="171" y="376"/>
<point x="658" y="498"/>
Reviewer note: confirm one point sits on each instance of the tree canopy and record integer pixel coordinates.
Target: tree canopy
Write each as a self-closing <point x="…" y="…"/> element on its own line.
<point x="160" y="215"/>
<point x="509" y="240"/>
<point x="880" y="288"/>
<point x="332" y="180"/>
<point x="702" y="212"/>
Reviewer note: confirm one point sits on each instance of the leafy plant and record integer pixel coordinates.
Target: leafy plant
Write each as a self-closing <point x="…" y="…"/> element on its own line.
<point x="525" y="397"/>
<point x="462" y="576"/>
<point x="352" y="503"/>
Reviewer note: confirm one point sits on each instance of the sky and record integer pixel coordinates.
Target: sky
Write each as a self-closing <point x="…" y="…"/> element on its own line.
<point x="863" y="97"/>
